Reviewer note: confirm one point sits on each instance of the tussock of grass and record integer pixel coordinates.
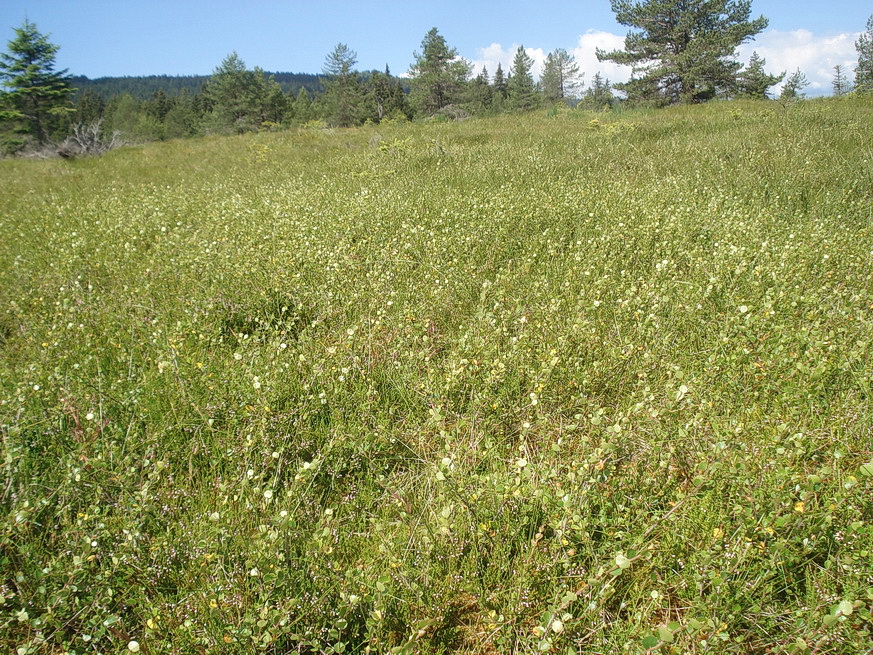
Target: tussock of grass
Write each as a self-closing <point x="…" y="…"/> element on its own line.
<point x="569" y="383"/>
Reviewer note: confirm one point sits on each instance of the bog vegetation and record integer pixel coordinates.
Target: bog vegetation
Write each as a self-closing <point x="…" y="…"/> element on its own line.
<point x="563" y="382"/>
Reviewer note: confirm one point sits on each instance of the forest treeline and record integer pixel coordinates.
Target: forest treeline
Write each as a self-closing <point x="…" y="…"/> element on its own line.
<point x="682" y="52"/>
<point x="144" y="87"/>
<point x="237" y="98"/>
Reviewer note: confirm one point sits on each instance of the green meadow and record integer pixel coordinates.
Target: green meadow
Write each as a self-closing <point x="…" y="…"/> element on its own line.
<point x="560" y="382"/>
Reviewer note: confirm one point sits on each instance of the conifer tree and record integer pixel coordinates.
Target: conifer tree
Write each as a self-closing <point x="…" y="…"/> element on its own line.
<point x="274" y="105"/>
<point x="560" y="75"/>
<point x="500" y="88"/>
<point x="599" y="95"/>
<point x="343" y="96"/>
<point x="864" y="69"/>
<point x="302" y="106"/>
<point x="480" y="93"/>
<point x="385" y="95"/>
<point x="160" y="105"/>
<point x="182" y="119"/>
<point x="754" y="81"/>
<point x="522" y="92"/>
<point x="795" y="82"/>
<point x="840" y="84"/>
<point x="240" y="99"/>
<point x="38" y="96"/>
<point x="229" y="91"/>
<point x="89" y="108"/>
<point x="438" y="74"/>
<point x="683" y="49"/>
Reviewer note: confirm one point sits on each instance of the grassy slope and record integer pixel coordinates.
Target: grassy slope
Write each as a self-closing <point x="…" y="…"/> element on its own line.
<point x="531" y="383"/>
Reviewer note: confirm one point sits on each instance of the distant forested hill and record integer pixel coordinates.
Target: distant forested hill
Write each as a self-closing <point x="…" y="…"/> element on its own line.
<point x="144" y="87"/>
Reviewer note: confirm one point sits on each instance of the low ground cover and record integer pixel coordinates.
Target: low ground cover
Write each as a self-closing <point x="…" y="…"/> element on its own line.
<point x="559" y="382"/>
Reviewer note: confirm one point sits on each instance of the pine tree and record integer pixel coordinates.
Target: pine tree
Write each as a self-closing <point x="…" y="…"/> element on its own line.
<point x="864" y="69"/>
<point x="228" y="91"/>
<point x="343" y="96"/>
<point x="754" y="81"/>
<point x="791" y="89"/>
<point x="39" y="96"/>
<point x="560" y="75"/>
<point x="683" y="50"/>
<point x="438" y="74"/>
<point x="522" y="92"/>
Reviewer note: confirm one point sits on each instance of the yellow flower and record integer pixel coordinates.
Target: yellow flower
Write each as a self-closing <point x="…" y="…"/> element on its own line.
<point x="799" y="507"/>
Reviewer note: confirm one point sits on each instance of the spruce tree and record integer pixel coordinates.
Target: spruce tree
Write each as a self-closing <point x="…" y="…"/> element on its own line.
<point x="864" y="69"/>
<point x="522" y="92"/>
<point x="682" y="50"/>
<point x="499" y="83"/>
<point x="38" y="96"/>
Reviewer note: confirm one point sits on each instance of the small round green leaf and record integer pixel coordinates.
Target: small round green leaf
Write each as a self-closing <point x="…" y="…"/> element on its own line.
<point x="651" y="642"/>
<point x="665" y="634"/>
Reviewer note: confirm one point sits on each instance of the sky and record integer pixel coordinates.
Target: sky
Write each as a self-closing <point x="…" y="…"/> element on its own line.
<point x="190" y="37"/>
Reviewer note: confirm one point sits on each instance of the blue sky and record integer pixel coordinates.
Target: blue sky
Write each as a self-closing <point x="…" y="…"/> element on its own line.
<point x="125" y="37"/>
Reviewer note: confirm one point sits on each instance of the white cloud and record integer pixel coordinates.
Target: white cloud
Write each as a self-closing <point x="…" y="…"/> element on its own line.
<point x="586" y="57"/>
<point x="584" y="52"/>
<point x="496" y="54"/>
<point x="815" y="55"/>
